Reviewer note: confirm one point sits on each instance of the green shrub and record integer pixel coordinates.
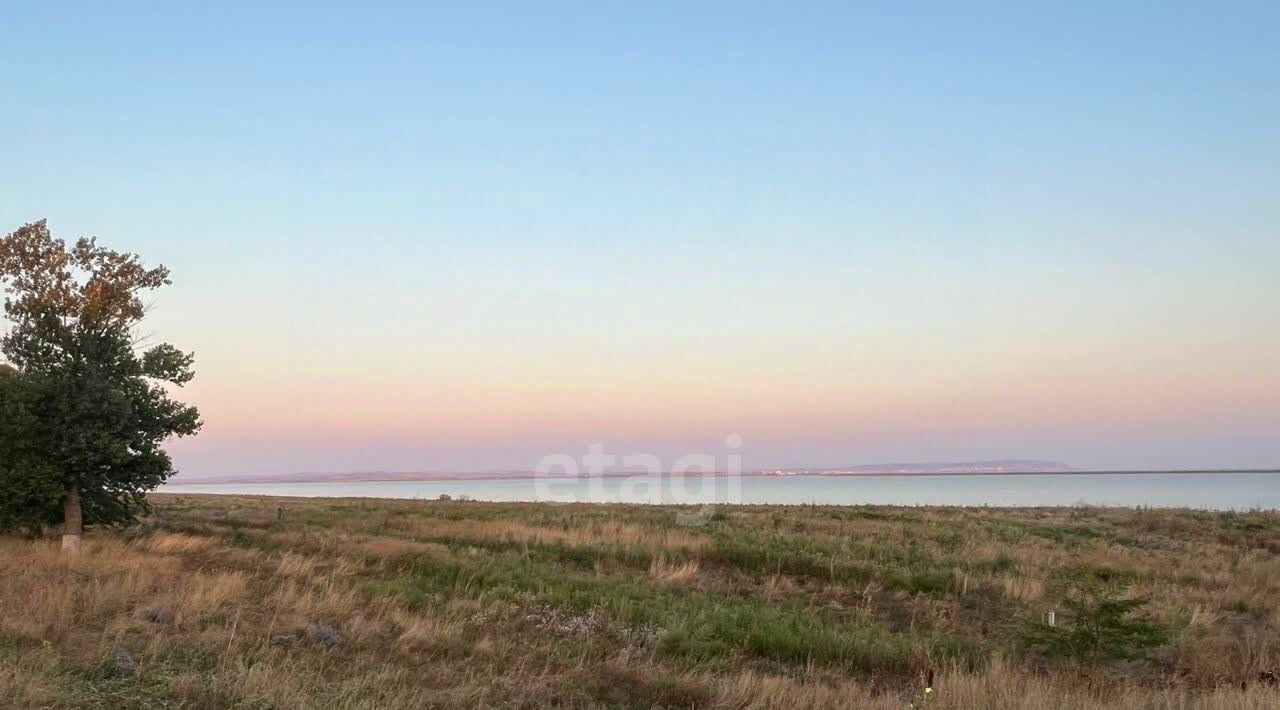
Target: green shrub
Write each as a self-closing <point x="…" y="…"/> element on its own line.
<point x="1100" y="620"/>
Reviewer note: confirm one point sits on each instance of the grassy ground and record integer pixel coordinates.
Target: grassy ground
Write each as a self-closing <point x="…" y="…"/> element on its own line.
<point x="247" y="602"/>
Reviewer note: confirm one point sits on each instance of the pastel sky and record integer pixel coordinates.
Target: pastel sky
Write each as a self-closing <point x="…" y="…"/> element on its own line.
<point x="414" y="238"/>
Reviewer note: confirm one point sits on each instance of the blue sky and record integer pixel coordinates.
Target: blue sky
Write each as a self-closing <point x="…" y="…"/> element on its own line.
<point x="407" y="237"/>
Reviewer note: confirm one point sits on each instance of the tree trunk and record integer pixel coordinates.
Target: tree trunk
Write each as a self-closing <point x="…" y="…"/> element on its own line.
<point x="72" y="521"/>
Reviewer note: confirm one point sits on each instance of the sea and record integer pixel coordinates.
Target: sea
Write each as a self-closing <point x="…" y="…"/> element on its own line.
<point x="1227" y="490"/>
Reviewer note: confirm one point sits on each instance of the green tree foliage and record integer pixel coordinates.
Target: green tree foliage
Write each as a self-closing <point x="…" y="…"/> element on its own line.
<point x="85" y="411"/>
<point x="26" y="482"/>
<point x="1098" y="620"/>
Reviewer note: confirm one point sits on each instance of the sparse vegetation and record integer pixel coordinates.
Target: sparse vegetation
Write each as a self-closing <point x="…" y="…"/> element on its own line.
<point x="242" y="602"/>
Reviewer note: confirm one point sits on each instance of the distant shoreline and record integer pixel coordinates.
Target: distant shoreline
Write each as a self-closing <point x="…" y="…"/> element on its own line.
<point x="797" y="473"/>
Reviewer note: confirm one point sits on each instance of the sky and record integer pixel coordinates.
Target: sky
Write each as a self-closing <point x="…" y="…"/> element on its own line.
<point x="415" y="238"/>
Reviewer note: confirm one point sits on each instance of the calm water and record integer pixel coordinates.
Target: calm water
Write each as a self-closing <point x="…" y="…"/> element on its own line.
<point x="1221" y="491"/>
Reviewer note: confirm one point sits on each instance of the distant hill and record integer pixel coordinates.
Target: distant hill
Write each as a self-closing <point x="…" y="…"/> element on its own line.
<point x="917" y="468"/>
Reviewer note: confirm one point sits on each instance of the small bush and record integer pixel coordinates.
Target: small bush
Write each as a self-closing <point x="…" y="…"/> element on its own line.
<point x="1102" y="622"/>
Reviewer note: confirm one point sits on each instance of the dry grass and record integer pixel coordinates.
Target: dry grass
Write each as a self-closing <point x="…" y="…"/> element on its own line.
<point x="177" y="543"/>
<point x="428" y="632"/>
<point x="607" y="533"/>
<point x="228" y="602"/>
<point x="673" y="572"/>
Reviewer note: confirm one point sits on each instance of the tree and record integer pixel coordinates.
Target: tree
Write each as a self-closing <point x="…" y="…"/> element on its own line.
<point x="87" y="412"/>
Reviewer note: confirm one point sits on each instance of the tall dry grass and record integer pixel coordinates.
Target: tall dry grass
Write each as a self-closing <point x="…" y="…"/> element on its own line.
<point x="217" y="601"/>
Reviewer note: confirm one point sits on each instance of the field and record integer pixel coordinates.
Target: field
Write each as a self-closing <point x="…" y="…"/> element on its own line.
<point x="242" y="602"/>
